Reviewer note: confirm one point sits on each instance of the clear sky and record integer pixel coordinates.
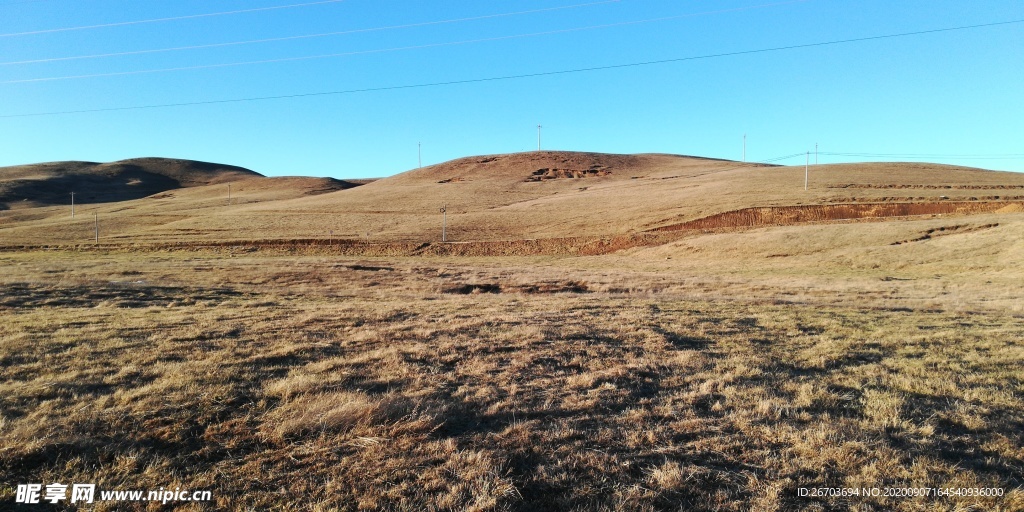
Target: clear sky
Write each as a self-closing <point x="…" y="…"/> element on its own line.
<point x="935" y="96"/>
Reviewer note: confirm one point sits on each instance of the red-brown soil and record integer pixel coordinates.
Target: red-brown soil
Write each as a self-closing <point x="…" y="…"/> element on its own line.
<point x="585" y="245"/>
<point x="787" y="215"/>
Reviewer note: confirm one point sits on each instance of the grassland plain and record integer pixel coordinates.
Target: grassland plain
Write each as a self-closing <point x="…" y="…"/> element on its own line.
<point x="607" y="332"/>
<point x="662" y="378"/>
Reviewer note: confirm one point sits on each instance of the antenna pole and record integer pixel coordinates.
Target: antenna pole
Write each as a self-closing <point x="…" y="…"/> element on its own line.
<point x="96" y="221"/>
<point x="419" y="154"/>
<point x="807" y="161"/>
<point x="815" y="153"/>
<point x="229" y="193"/>
<point x="538" y="137"/>
<point x="444" y="223"/>
<point x="72" y="205"/>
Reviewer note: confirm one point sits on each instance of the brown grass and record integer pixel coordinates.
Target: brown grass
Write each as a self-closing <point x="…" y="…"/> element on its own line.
<point x="556" y="357"/>
<point x="297" y="383"/>
<point x="581" y="246"/>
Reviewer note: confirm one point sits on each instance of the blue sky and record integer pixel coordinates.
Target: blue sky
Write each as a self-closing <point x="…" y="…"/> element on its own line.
<point x="949" y="93"/>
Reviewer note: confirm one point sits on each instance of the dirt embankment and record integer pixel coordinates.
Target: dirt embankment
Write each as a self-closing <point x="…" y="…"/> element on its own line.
<point x="569" y="246"/>
<point x="919" y="199"/>
<point x="554" y="174"/>
<point x="928" y="187"/>
<point x="579" y="246"/>
<point x="787" y="215"/>
<point x="947" y="230"/>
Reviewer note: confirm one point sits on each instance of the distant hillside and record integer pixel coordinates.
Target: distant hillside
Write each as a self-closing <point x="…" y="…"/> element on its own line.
<point x="52" y="183"/>
<point x="534" y="195"/>
<point x="542" y="194"/>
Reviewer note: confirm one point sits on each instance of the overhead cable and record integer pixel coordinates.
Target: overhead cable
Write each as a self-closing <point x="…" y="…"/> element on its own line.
<point x="364" y="52"/>
<point x="519" y="76"/>
<point x="172" y="18"/>
<point x="912" y="156"/>
<point x="306" y="36"/>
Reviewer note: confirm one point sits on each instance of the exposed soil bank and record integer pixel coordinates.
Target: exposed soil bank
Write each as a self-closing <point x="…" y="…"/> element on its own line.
<point x="566" y="246"/>
<point x="788" y="215"/>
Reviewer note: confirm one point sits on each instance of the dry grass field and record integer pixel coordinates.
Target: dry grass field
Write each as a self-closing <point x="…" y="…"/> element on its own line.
<point x="721" y="367"/>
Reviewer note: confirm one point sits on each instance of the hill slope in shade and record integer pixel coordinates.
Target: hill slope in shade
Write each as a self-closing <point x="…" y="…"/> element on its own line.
<point x="168" y="215"/>
<point x="52" y="183"/>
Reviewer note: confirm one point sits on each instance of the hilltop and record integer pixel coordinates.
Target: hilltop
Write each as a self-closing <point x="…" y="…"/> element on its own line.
<point x="557" y="193"/>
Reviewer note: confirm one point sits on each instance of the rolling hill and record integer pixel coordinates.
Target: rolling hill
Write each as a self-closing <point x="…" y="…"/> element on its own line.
<point x="546" y="194"/>
<point x="26" y="186"/>
<point x="557" y="194"/>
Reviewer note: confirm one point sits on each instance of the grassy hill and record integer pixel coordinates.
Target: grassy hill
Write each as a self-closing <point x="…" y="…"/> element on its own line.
<point x="553" y="194"/>
<point x="134" y="196"/>
<point x="52" y="183"/>
<point x="498" y="197"/>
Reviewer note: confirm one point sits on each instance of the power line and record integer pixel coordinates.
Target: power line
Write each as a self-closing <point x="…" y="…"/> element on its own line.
<point x="779" y="158"/>
<point x="24" y="2"/>
<point x="307" y="36"/>
<point x="513" y="77"/>
<point x="380" y="50"/>
<point x="744" y="165"/>
<point x="1001" y="156"/>
<point x="741" y="165"/>
<point x="748" y="165"/>
<point x="172" y="18"/>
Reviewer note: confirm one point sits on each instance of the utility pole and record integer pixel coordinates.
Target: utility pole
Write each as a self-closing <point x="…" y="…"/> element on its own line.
<point x="72" y="205"/>
<point x="744" y="147"/>
<point x="96" y="223"/>
<point x="444" y="223"/>
<point x="538" y="137"/>
<point x="419" y="154"/>
<point x="807" y="161"/>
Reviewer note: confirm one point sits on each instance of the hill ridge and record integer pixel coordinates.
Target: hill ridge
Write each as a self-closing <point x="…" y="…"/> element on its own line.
<point x="51" y="183"/>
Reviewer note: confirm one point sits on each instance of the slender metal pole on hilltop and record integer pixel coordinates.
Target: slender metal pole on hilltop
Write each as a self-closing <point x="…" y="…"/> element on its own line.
<point x="419" y="154"/>
<point x="444" y="223"/>
<point x="72" y="205"/>
<point x="96" y="223"/>
<point x="815" y="153"/>
<point x="538" y="137"/>
<point x="807" y="161"/>
<point x="744" y="147"/>
<point x="229" y="193"/>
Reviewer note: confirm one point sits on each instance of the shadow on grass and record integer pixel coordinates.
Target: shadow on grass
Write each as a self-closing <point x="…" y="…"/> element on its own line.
<point x="956" y="443"/>
<point x="119" y="295"/>
<point x="684" y="341"/>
